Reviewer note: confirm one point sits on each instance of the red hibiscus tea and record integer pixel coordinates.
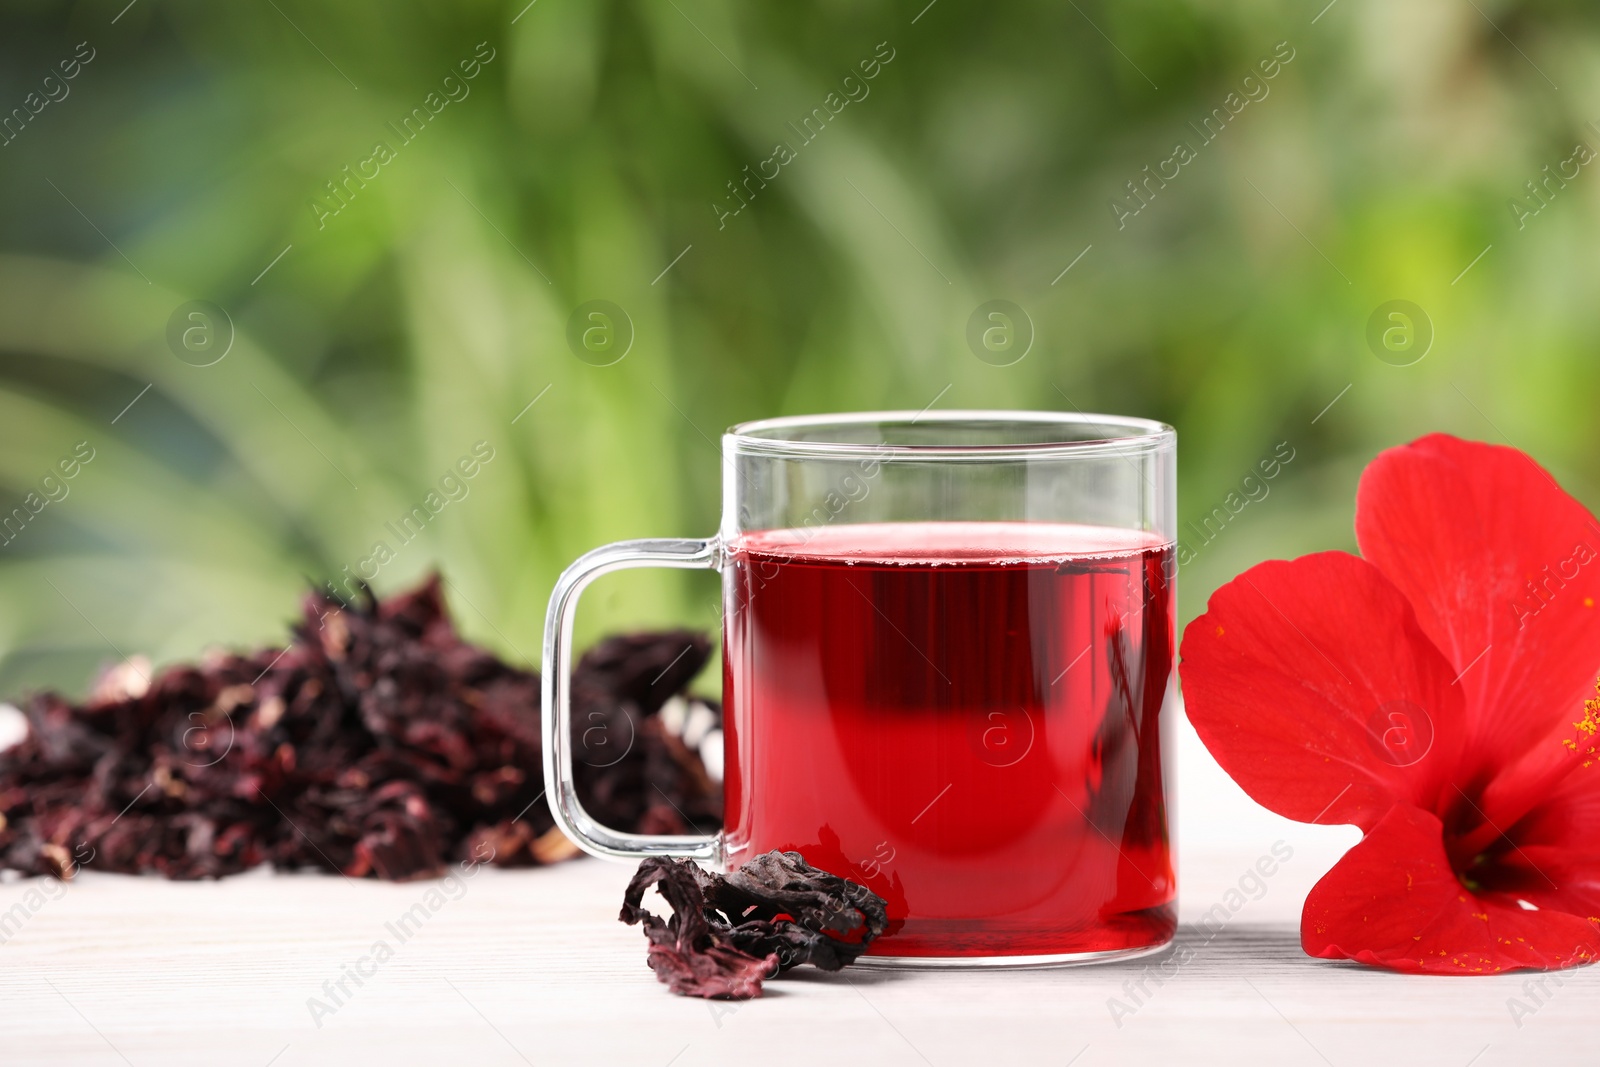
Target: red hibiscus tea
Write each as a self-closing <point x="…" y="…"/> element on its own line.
<point x="967" y="717"/>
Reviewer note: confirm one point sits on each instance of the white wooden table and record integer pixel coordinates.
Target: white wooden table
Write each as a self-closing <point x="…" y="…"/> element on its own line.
<point x="533" y="967"/>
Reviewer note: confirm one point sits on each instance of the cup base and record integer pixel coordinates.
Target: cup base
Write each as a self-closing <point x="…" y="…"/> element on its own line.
<point x="984" y="963"/>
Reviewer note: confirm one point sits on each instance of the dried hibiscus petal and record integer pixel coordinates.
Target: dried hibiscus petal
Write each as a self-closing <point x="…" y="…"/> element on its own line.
<point x="728" y="932"/>
<point x="687" y="953"/>
<point x="777" y="903"/>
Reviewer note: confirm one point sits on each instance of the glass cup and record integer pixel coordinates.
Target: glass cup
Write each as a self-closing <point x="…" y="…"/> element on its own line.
<point x="948" y="674"/>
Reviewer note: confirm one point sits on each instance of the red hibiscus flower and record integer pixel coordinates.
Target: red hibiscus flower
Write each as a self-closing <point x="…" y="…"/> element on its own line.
<point x="1438" y="692"/>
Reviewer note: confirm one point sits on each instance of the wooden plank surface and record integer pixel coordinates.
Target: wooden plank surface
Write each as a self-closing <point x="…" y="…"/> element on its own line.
<point x="533" y="967"/>
<point x="515" y="967"/>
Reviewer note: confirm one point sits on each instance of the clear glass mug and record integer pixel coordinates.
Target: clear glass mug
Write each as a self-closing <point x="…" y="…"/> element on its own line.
<point x="948" y="674"/>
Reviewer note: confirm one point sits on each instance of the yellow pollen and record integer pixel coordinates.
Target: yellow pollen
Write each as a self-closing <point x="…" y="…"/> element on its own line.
<point x="1587" y="727"/>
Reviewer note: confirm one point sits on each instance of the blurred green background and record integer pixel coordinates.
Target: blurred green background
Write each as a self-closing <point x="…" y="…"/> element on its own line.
<point x="189" y="159"/>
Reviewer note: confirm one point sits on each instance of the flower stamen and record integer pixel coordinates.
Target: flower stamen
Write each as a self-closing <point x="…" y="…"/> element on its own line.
<point x="1587" y="727"/>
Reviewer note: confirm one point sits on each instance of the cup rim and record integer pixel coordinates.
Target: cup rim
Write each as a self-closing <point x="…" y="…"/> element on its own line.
<point x="1139" y="436"/>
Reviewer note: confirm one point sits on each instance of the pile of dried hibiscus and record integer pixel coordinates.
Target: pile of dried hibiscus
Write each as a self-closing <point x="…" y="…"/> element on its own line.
<point x="379" y="743"/>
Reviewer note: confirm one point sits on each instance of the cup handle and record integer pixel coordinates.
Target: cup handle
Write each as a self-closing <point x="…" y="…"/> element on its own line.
<point x="556" y="718"/>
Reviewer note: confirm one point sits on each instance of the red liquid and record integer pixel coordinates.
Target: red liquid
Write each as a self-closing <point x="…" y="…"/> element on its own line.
<point x="973" y="730"/>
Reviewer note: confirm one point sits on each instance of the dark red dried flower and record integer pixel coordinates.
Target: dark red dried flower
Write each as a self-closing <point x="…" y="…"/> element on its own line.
<point x="728" y="932"/>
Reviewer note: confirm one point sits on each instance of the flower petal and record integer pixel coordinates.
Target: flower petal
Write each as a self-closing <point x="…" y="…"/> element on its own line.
<point x="1314" y="688"/>
<point x="1503" y="568"/>
<point x="1394" y="902"/>
<point x="1555" y="862"/>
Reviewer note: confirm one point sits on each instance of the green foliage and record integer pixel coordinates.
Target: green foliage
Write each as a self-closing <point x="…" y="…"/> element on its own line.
<point x="597" y="144"/>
